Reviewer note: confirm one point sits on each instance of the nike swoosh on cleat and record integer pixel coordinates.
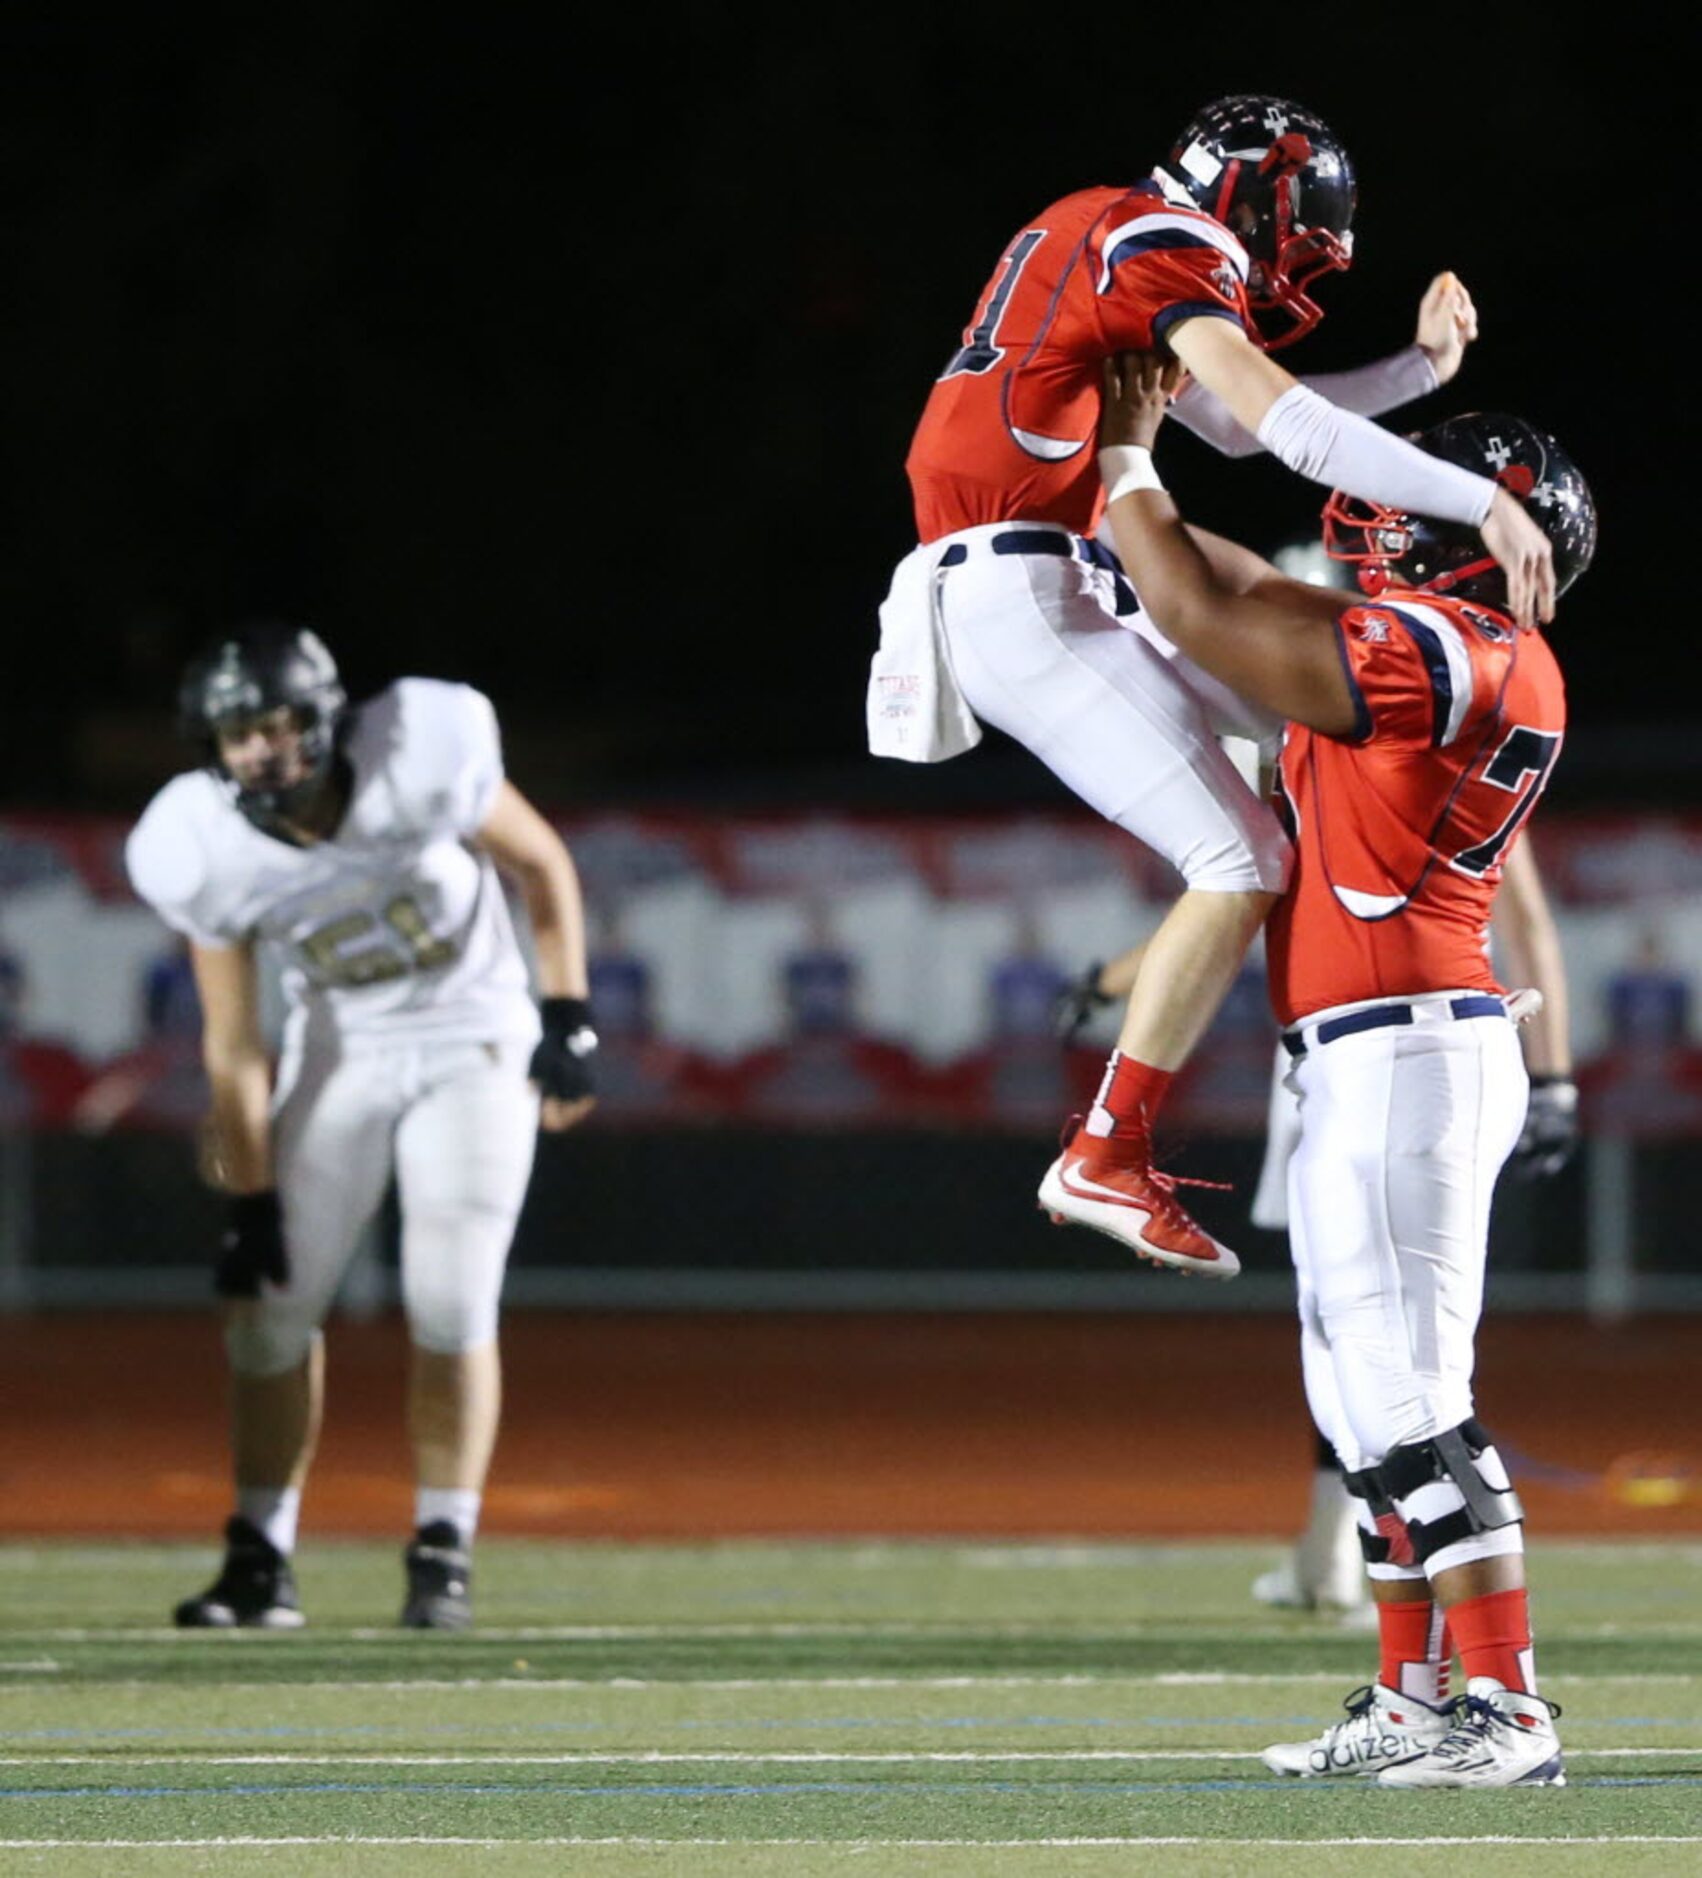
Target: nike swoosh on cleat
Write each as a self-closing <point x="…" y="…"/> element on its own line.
<point x="1091" y="1190"/>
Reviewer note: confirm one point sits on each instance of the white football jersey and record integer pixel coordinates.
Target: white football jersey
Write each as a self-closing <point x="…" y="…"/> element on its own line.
<point x="392" y="931"/>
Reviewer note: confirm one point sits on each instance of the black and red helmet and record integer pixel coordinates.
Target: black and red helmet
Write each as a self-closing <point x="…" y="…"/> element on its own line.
<point x="1449" y="557"/>
<point x="1275" y="175"/>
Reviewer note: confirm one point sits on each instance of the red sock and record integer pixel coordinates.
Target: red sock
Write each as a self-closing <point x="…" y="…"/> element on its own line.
<point x="1129" y="1098"/>
<point x="1413" y="1652"/>
<point x="1493" y="1635"/>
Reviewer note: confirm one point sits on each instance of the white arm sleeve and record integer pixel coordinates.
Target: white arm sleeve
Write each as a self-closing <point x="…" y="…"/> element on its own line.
<point x="1341" y="450"/>
<point x="1383" y="385"/>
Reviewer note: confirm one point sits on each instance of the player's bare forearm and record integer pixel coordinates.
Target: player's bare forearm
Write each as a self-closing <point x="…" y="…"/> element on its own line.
<point x="528" y="849"/>
<point x="1273" y="641"/>
<point x="555" y="913"/>
<point x="238" y="1065"/>
<point x="1270" y="640"/>
<point x="1220" y="356"/>
<point x="1529" y="940"/>
<point x="239" y="1123"/>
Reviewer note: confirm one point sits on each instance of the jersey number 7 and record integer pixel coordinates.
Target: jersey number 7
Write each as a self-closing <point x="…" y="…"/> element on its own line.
<point x="1521" y="766"/>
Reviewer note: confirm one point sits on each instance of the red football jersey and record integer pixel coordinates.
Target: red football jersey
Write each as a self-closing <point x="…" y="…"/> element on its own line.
<point x="1009" y="431"/>
<point x="1401" y="829"/>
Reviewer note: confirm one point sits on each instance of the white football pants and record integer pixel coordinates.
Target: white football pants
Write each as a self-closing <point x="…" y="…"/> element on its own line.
<point x="1127" y="723"/>
<point x="456" y="1123"/>
<point x="1403" y="1131"/>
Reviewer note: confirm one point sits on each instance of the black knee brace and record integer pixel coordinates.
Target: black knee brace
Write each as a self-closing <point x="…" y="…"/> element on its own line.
<point x="1380" y="1547"/>
<point x="1454" y="1457"/>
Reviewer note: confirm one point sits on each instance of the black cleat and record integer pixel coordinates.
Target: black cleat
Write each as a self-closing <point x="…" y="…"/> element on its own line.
<point x="255" y="1589"/>
<point x="440" y="1573"/>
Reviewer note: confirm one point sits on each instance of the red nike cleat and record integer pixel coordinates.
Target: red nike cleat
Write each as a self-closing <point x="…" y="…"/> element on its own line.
<point x="1109" y="1183"/>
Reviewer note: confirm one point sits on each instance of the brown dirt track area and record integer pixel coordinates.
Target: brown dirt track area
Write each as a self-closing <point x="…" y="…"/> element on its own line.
<point x="673" y="1426"/>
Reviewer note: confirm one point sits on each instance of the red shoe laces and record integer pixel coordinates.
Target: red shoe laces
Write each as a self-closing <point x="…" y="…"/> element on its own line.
<point x="1175" y="1213"/>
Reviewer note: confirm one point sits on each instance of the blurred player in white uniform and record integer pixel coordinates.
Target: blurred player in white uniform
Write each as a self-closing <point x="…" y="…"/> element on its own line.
<point x="360" y="845"/>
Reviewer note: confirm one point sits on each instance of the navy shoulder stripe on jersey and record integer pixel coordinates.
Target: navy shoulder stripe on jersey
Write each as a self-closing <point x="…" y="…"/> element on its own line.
<point x="1429" y="644"/>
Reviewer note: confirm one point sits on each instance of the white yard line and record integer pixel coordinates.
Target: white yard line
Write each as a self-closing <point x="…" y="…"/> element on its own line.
<point x="743" y="1757"/>
<point x="632" y="1685"/>
<point x="644" y="1685"/>
<point x="839" y="1845"/>
<point x="996" y="1629"/>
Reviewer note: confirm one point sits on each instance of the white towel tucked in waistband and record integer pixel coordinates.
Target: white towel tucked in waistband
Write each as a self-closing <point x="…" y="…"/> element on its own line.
<point x="915" y="710"/>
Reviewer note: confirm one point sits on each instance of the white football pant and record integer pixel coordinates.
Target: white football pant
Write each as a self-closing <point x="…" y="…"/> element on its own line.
<point x="1039" y="652"/>
<point x="456" y="1123"/>
<point x="1403" y="1131"/>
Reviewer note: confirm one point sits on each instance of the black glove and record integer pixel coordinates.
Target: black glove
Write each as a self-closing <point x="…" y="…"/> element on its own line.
<point x="251" y="1247"/>
<point x="561" y="1064"/>
<point x="1550" y="1136"/>
<point x="1078" y="1001"/>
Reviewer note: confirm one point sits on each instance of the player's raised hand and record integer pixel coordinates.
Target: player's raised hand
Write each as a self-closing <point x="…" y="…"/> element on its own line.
<point x="1137" y="388"/>
<point x="1447" y="324"/>
<point x="1526" y="558"/>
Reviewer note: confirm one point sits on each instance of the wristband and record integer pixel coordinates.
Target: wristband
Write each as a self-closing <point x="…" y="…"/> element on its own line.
<point x="1126" y="467"/>
<point x="568" y="1021"/>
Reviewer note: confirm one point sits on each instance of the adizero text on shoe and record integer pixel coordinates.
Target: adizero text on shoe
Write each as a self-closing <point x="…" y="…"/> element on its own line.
<point x="1382" y="1730"/>
<point x="440" y="1580"/>
<point x="1499" y="1738"/>
<point x="255" y="1588"/>
<point x="1114" y="1188"/>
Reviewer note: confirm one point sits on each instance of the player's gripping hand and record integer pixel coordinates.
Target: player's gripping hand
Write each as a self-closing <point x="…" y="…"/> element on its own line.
<point x="1526" y="559"/>
<point x="251" y="1247"/>
<point x="562" y="1063"/>
<point x="1078" y="1001"/>
<point x="1137" y="388"/>
<point x="1447" y="324"/>
<point x="1550" y="1135"/>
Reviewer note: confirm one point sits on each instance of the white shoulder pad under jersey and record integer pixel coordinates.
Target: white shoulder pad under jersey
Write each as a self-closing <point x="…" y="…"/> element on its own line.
<point x="435" y="751"/>
<point x="183" y="859"/>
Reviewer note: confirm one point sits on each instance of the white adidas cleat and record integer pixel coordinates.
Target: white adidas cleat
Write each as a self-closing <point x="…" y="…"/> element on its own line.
<point x="1383" y="1728"/>
<point x="1500" y="1737"/>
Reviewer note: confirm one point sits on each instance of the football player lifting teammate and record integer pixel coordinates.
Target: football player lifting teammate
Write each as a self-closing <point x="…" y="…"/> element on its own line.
<point x="1011" y="613"/>
<point x="359" y="846"/>
<point x="1423" y="726"/>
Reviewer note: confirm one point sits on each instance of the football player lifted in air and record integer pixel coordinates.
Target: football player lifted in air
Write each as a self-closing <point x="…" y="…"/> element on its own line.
<point x="1011" y="613"/>
<point x="1423" y="724"/>
<point x="358" y="846"/>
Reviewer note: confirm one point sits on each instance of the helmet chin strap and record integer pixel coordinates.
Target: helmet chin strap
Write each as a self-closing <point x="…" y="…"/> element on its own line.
<point x="1445" y="582"/>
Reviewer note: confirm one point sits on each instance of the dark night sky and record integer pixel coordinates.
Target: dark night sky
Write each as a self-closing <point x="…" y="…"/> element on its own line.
<point x="471" y="346"/>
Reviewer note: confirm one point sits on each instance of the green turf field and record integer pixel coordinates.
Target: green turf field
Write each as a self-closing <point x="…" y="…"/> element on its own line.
<point x="962" y="1710"/>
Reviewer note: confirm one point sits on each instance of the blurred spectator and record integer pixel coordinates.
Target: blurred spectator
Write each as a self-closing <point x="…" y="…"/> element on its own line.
<point x="639" y="1074"/>
<point x="40" y="1080"/>
<point x="1648" y="1004"/>
<point x="825" y="1069"/>
<point x="1022" y="1074"/>
<point x="159" y="1084"/>
<point x="171" y="1006"/>
<point x="1649" y="1080"/>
